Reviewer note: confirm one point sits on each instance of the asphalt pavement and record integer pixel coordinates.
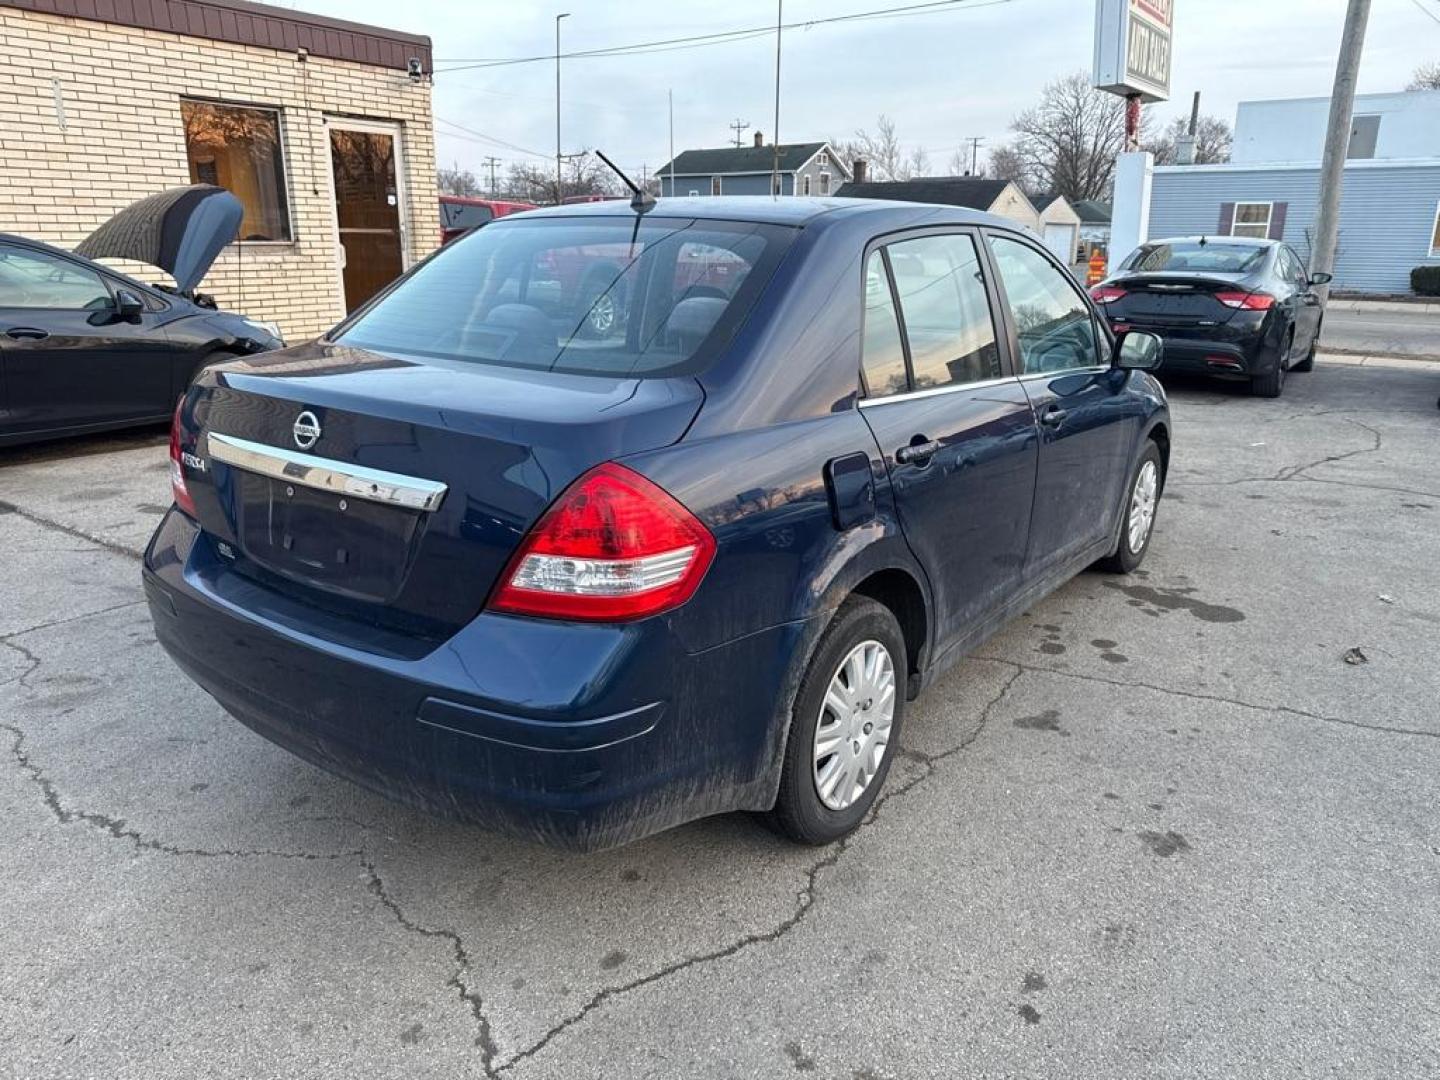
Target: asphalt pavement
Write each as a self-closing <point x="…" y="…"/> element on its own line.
<point x="1410" y="333"/>
<point x="1158" y="827"/>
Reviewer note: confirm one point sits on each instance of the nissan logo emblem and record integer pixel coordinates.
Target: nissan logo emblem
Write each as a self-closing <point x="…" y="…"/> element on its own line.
<point x="306" y="430"/>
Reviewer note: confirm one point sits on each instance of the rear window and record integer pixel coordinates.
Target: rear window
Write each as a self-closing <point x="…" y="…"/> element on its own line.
<point x="596" y="296"/>
<point x="464" y="215"/>
<point x="1214" y="256"/>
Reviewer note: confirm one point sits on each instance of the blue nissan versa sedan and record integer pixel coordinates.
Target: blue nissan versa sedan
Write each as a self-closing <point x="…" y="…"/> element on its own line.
<point x="584" y="584"/>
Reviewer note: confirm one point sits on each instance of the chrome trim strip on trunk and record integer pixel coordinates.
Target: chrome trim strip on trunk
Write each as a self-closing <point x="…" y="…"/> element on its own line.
<point x="326" y="474"/>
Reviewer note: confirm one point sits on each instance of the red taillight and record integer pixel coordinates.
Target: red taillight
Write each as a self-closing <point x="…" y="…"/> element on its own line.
<point x="613" y="547"/>
<point x="1106" y="294"/>
<point x="1246" y="301"/>
<point x="177" y="467"/>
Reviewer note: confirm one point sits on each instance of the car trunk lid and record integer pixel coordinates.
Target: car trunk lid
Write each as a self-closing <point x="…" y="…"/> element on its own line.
<point x="1175" y="298"/>
<point x="394" y="491"/>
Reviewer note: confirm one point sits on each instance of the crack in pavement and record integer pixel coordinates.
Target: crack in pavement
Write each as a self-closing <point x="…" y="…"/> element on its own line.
<point x="116" y="827"/>
<point x="1296" y="472"/>
<point x="69" y="619"/>
<point x="1291" y="473"/>
<point x="68" y="530"/>
<point x="806" y="898"/>
<point x="462" y="963"/>
<point x="1196" y="695"/>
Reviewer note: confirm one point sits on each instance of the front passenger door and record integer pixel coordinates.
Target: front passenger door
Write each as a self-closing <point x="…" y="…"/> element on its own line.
<point x="1078" y="400"/>
<point x="954" y="427"/>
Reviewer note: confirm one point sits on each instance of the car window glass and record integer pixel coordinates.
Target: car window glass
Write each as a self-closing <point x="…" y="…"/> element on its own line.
<point x="882" y="356"/>
<point x="947" y="313"/>
<point x="1052" y="320"/>
<point x="606" y="296"/>
<point x="1294" y="268"/>
<point x="34" y="279"/>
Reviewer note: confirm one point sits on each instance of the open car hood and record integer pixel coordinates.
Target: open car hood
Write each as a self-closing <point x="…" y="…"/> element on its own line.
<point x="180" y="230"/>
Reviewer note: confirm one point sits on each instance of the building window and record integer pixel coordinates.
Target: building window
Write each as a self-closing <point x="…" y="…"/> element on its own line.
<point x="714" y="185"/>
<point x="824" y="183"/>
<point x="239" y="149"/>
<point x="805" y="185"/>
<point x="1252" y="219"/>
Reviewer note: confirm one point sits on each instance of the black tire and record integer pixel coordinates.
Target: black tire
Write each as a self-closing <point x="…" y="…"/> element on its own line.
<point x="1308" y="364"/>
<point x="1126" y="559"/>
<point x="799" y="813"/>
<point x="1272" y="383"/>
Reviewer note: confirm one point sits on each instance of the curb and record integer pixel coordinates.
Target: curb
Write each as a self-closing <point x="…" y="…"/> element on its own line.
<point x="1419" y="307"/>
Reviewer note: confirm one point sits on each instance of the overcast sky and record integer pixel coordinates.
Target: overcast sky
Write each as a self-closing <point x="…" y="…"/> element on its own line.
<point x="943" y="77"/>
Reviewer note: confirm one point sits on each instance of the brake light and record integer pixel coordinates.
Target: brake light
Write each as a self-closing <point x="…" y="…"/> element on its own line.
<point x="1251" y="301"/>
<point x="1106" y="294"/>
<point x="178" y="489"/>
<point x="614" y="547"/>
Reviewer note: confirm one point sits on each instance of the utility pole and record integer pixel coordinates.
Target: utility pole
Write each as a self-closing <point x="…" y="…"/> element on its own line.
<point x="775" y="156"/>
<point x="559" y="180"/>
<point x="1337" y="142"/>
<point x="670" y="97"/>
<point x="491" y="163"/>
<point x="739" y="127"/>
<point x="975" y="154"/>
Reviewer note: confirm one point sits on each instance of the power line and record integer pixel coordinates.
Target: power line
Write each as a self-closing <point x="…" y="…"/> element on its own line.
<point x="480" y="136"/>
<point x="1426" y="10"/>
<point x="932" y="7"/>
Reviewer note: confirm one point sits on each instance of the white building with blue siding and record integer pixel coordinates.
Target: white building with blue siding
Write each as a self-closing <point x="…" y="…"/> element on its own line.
<point x="1390" y="207"/>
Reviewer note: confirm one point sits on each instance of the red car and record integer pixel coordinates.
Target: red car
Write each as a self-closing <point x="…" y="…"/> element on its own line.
<point x="461" y="213"/>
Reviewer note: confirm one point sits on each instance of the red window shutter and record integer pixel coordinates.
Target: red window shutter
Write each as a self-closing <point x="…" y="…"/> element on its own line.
<point x="1227" y="218"/>
<point x="1277" y="220"/>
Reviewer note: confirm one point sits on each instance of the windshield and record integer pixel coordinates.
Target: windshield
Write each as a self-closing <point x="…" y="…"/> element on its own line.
<point x="594" y="296"/>
<point x="1213" y="256"/>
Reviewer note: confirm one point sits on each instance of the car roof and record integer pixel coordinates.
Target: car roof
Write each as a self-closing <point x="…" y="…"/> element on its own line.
<point x="782" y="210"/>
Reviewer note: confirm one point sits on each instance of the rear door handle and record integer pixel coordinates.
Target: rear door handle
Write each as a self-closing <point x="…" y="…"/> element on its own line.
<point x="1054" y="416"/>
<point x="917" y="453"/>
<point x="26" y="333"/>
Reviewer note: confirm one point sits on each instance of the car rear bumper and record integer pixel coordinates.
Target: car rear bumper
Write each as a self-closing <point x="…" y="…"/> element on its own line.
<point x="1238" y="347"/>
<point x="579" y="736"/>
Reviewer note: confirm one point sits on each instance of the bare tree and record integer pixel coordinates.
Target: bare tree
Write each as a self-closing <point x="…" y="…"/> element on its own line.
<point x="1005" y="164"/>
<point x="887" y="158"/>
<point x="1068" y="142"/>
<point x="959" y="165"/>
<point x="458" y="181"/>
<point x="1213" y="139"/>
<point x="584" y="174"/>
<point x="1426" y="77"/>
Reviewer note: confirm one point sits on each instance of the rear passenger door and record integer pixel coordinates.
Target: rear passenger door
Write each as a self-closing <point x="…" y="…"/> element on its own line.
<point x="1078" y="400"/>
<point x="953" y="424"/>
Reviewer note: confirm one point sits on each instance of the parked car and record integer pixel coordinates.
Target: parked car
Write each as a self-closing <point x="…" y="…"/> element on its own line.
<point x="1229" y="306"/>
<point x="461" y="213"/>
<point x="585" y="589"/>
<point x="84" y="348"/>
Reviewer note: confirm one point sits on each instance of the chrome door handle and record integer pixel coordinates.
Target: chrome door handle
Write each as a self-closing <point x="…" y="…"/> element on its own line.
<point x="1053" y="416"/>
<point x="917" y="453"/>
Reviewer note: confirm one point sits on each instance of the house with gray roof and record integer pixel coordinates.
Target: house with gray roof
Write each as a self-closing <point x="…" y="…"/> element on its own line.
<point x="810" y="168"/>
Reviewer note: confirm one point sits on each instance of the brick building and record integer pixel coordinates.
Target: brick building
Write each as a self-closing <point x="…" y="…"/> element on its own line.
<point x="318" y="125"/>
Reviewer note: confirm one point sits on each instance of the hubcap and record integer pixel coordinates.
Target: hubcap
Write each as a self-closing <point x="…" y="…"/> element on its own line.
<point x="1142" y="505"/>
<point x="602" y="314"/>
<point x="854" y="726"/>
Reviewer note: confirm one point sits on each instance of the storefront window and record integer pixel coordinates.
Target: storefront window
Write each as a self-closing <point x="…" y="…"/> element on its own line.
<point x="239" y="149"/>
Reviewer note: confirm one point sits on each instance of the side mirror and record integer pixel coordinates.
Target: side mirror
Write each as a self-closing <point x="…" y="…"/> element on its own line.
<point x="1321" y="279"/>
<point x="127" y="304"/>
<point x="1137" y="350"/>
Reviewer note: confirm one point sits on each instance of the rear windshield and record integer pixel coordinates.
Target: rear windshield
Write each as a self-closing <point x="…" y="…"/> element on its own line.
<point x="464" y="215"/>
<point x="589" y="296"/>
<point x="1214" y="256"/>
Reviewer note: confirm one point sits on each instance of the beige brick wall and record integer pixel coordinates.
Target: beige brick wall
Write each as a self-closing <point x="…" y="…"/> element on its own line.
<point x="120" y="91"/>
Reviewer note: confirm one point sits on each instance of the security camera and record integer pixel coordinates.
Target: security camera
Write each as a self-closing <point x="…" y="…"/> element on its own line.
<point x="415" y="68"/>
